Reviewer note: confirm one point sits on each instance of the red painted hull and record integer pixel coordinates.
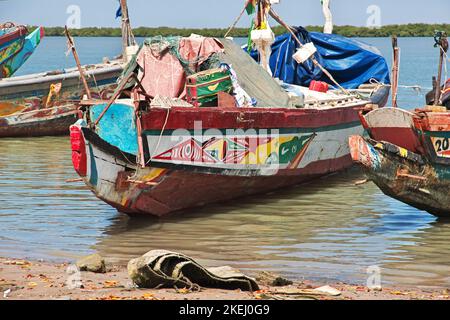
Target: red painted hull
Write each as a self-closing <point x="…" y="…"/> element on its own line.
<point x="183" y="189"/>
<point x="402" y="137"/>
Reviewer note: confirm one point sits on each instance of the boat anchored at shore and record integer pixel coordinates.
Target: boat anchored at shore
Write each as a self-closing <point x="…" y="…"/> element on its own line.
<point x="186" y="141"/>
<point x="407" y="154"/>
<point x="43" y="104"/>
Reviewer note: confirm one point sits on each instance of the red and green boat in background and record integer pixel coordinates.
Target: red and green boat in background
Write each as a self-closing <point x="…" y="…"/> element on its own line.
<point x="16" y="46"/>
<point x="44" y="104"/>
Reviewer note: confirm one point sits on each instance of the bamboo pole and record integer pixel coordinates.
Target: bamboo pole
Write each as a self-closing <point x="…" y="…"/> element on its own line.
<point x="395" y="71"/>
<point x="77" y="60"/>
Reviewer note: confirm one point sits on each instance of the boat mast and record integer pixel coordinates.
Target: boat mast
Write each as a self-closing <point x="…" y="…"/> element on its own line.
<point x="127" y="33"/>
<point x="395" y="70"/>
<point x="328" y="27"/>
<point x="442" y="44"/>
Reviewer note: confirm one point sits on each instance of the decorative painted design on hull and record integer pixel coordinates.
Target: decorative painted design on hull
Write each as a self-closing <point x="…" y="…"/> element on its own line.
<point x="404" y="175"/>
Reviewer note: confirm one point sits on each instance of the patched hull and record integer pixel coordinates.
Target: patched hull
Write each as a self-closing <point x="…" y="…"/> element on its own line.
<point x="29" y="107"/>
<point x="403" y="175"/>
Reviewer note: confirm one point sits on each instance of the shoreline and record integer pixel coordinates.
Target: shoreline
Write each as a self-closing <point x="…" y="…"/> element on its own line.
<point x="40" y="280"/>
<point x="403" y="30"/>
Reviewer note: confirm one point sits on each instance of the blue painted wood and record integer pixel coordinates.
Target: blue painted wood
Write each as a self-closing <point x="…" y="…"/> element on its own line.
<point x="117" y="127"/>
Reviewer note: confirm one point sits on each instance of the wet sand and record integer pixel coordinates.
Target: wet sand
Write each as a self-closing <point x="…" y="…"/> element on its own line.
<point x="39" y="280"/>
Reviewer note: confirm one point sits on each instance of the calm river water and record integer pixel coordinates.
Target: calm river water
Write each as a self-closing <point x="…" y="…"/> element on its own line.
<point x="326" y="230"/>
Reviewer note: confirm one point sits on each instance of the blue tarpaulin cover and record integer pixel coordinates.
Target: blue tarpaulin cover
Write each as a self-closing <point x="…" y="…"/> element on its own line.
<point x="351" y="62"/>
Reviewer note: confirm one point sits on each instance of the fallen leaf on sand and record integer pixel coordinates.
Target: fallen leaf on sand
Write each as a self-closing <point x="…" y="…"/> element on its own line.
<point x="183" y="291"/>
<point x="111" y="283"/>
<point x="148" y="296"/>
<point x="32" y="284"/>
<point x="399" y="293"/>
<point x="110" y="298"/>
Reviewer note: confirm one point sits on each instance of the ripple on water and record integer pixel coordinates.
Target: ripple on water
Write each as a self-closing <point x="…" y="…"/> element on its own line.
<point x="326" y="230"/>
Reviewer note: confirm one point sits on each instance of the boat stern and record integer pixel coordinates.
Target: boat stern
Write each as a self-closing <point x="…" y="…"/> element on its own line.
<point x="363" y="153"/>
<point x="78" y="143"/>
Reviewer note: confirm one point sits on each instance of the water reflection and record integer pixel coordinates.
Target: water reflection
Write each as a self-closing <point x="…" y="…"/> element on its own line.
<point x="326" y="230"/>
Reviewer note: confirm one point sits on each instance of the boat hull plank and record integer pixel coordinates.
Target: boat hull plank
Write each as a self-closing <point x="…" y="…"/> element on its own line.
<point x="404" y="176"/>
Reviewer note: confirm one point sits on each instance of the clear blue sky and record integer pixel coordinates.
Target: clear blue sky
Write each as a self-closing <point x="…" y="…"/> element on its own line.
<point x="215" y="13"/>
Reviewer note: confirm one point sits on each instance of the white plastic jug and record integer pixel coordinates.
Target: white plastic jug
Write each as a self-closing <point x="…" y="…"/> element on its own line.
<point x="305" y="52"/>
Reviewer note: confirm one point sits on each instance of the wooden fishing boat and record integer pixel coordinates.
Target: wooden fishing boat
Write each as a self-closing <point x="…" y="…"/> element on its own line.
<point x="172" y="150"/>
<point x="407" y="155"/>
<point x="16" y="47"/>
<point x="45" y="103"/>
<point x="34" y="95"/>
<point x="406" y="176"/>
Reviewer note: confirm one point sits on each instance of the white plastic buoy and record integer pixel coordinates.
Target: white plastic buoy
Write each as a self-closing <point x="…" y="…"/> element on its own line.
<point x="263" y="40"/>
<point x="305" y="52"/>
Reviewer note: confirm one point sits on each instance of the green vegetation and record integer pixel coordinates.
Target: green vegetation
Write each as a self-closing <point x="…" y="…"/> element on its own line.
<point x="408" y="30"/>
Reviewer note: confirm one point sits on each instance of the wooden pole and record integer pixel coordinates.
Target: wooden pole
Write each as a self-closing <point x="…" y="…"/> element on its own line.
<point x="395" y="71"/>
<point x="237" y="20"/>
<point x="442" y="44"/>
<point x="141" y="155"/>
<point x="125" y="40"/>
<point x="77" y="60"/>
<point x="119" y="89"/>
<point x="127" y="35"/>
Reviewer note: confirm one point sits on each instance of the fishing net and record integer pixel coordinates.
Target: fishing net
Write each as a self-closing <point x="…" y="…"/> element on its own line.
<point x="159" y="45"/>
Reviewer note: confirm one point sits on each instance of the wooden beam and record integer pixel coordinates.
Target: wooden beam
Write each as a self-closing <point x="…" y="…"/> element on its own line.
<point x="77" y="60"/>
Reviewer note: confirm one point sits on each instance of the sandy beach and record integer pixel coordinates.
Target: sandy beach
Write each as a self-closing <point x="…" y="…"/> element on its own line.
<point x="40" y="280"/>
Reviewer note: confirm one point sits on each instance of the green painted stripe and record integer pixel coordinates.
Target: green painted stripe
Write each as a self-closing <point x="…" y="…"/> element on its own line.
<point x="281" y="131"/>
<point x="438" y="134"/>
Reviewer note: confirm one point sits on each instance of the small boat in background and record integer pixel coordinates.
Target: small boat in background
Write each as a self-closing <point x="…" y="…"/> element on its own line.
<point x="16" y="46"/>
<point x="44" y="104"/>
<point x="407" y="154"/>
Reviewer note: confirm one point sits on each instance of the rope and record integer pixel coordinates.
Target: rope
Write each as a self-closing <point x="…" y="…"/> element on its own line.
<point x="236" y="21"/>
<point x="161" y="135"/>
<point x="416" y="87"/>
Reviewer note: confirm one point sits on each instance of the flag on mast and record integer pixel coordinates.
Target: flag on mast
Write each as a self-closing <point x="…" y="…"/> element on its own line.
<point x="119" y="11"/>
<point x="251" y="7"/>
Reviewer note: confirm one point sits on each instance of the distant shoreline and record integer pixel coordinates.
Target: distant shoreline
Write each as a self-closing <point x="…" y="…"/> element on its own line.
<point x="408" y="30"/>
